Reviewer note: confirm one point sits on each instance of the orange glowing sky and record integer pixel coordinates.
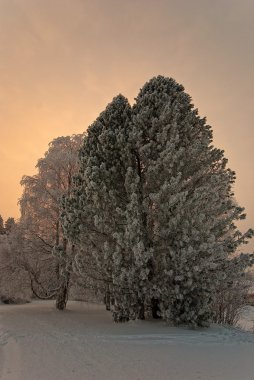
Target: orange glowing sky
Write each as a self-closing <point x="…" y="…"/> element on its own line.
<point x="62" y="61"/>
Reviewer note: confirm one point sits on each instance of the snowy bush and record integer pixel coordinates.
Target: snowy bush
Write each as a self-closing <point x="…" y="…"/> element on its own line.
<point x="232" y="297"/>
<point x="14" y="281"/>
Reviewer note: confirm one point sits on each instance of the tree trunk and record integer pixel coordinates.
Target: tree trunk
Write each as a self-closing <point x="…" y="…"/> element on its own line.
<point x="155" y="308"/>
<point x="107" y="299"/>
<point x="62" y="294"/>
<point x="141" y="309"/>
<point x="64" y="279"/>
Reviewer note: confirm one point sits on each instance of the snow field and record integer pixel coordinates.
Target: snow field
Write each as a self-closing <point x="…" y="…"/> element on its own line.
<point x="38" y="342"/>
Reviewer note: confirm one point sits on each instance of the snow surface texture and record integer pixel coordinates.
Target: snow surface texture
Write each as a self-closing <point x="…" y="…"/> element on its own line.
<point x="38" y="342"/>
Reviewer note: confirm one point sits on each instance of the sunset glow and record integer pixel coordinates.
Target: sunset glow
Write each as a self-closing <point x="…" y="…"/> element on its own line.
<point x="62" y="61"/>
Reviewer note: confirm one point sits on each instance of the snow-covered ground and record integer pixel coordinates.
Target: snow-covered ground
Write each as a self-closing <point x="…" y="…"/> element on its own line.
<point x="38" y="342"/>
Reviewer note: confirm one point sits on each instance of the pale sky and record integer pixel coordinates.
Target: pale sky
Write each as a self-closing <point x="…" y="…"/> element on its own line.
<point x="62" y="61"/>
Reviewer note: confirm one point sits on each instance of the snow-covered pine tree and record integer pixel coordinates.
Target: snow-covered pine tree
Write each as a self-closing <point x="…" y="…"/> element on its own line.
<point x="185" y="203"/>
<point x="95" y="215"/>
<point x="152" y="214"/>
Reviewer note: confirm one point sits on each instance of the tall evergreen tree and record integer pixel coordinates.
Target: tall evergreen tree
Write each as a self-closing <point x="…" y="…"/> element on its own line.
<point x="186" y="201"/>
<point x="153" y="214"/>
<point x="94" y="217"/>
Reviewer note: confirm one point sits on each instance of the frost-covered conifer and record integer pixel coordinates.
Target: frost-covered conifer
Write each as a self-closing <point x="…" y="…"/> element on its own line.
<point x="186" y="200"/>
<point x="95" y="215"/>
<point x="152" y="214"/>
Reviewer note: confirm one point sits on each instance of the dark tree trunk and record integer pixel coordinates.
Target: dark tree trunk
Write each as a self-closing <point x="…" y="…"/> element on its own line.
<point x="155" y="308"/>
<point x="64" y="279"/>
<point x="141" y="309"/>
<point x="107" y="300"/>
<point x="62" y="294"/>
